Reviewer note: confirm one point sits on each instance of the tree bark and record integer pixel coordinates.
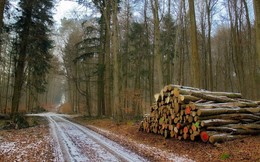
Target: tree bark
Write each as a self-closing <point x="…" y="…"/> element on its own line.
<point x="2" y="7"/>
<point x="257" y="26"/>
<point x="107" y="18"/>
<point x="216" y="138"/>
<point x="125" y="57"/>
<point x="147" y="50"/>
<point x="100" y="84"/>
<point x="195" y="68"/>
<point x="237" y="55"/>
<point x="231" y="116"/>
<point x="20" y="65"/>
<point x="117" y="110"/>
<point x="8" y="82"/>
<point x="251" y="55"/>
<point x="209" y="7"/>
<point x="157" y="54"/>
<point x="218" y="111"/>
<point x="217" y="122"/>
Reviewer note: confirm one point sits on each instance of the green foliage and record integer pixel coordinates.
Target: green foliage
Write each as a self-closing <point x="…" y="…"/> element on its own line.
<point x="36" y="18"/>
<point x="168" y="37"/>
<point x="130" y="123"/>
<point x="2" y="123"/>
<point x="20" y="121"/>
<point x="197" y="124"/>
<point x="33" y="121"/>
<point x="225" y="156"/>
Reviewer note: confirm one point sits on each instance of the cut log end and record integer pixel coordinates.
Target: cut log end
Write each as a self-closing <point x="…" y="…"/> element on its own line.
<point x="195" y="114"/>
<point x="188" y="110"/>
<point x="204" y="136"/>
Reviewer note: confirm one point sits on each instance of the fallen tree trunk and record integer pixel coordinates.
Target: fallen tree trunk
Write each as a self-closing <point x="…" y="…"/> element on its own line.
<point x="231" y="116"/>
<point x="235" y="131"/>
<point x="218" y="111"/>
<point x="217" y="122"/>
<point x="187" y="99"/>
<point x="189" y="113"/>
<point x="211" y="97"/>
<point x="221" y="105"/>
<point x="223" y="137"/>
<point x="185" y="90"/>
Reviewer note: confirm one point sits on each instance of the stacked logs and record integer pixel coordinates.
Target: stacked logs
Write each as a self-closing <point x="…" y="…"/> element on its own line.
<point x="188" y="113"/>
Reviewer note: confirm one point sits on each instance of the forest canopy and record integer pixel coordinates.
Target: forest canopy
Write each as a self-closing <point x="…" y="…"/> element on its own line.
<point x="110" y="60"/>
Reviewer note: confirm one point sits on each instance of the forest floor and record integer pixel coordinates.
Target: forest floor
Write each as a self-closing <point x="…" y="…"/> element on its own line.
<point x="34" y="143"/>
<point x="246" y="149"/>
<point x="29" y="144"/>
<point x="61" y="140"/>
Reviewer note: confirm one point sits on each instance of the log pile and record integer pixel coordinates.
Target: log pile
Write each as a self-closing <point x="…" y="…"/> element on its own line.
<point x="188" y="113"/>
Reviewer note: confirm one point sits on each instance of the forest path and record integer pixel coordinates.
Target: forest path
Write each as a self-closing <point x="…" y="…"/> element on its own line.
<point x="74" y="142"/>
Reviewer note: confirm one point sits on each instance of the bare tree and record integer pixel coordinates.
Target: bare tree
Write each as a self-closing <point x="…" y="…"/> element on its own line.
<point x="2" y="7"/>
<point x="257" y="25"/>
<point x="107" y="19"/>
<point x="117" y="110"/>
<point x="210" y="5"/>
<point x="157" y="54"/>
<point x="194" y="46"/>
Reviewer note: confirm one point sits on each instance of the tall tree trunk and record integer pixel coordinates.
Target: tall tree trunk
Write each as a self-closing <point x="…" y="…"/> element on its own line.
<point x="257" y="26"/>
<point x="195" y="68"/>
<point x="236" y="47"/>
<point x="168" y="78"/>
<point x="203" y="45"/>
<point x="19" y="73"/>
<point x="209" y="15"/>
<point x="124" y="65"/>
<point x="100" y="84"/>
<point x="178" y="47"/>
<point x="116" y="73"/>
<point x="157" y="54"/>
<point x="147" y="50"/>
<point x="251" y="57"/>
<point x="107" y="58"/>
<point x="7" y="84"/>
<point x="88" y="97"/>
<point x="2" y="7"/>
<point x="18" y="83"/>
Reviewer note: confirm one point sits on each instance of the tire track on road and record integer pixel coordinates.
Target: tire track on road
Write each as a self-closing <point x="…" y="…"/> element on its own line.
<point x="78" y="143"/>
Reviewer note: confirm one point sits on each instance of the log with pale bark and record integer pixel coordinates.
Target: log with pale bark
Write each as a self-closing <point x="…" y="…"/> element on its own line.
<point x="223" y="137"/>
<point x="219" y="111"/>
<point x="226" y="104"/>
<point x="217" y="122"/>
<point x="188" y="113"/>
<point x="236" y="116"/>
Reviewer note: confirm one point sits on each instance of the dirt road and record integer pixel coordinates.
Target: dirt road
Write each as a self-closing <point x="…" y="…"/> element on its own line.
<point x="74" y="142"/>
<point x="61" y="140"/>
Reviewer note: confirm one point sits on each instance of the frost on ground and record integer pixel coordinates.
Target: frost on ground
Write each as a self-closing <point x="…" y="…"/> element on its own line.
<point x="78" y="143"/>
<point x="155" y="153"/>
<point x="29" y="144"/>
<point x="64" y="140"/>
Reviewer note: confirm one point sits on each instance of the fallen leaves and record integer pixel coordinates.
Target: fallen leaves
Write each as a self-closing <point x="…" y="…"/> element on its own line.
<point x="30" y="144"/>
<point x="197" y="151"/>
